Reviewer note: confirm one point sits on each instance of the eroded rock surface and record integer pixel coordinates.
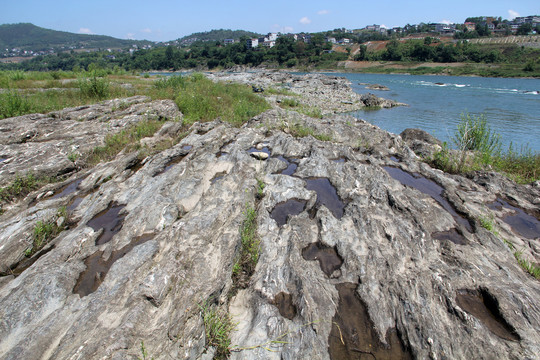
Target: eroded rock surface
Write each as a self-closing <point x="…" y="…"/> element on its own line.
<point x="373" y="272"/>
<point x="331" y="94"/>
<point x="44" y="144"/>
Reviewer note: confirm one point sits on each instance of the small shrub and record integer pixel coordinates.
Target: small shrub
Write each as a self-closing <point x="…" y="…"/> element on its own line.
<point x="473" y="133"/>
<point x="94" y="87"/>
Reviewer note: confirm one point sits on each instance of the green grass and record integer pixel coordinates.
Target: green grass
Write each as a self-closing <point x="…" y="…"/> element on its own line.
<point x="279" y="91"/>
<point x="203" y="100"/>
<point x="14" y="104"/>
<point x="45" y="231"/>
<point x="298" y="130"/>
<point x="293" y="104"/>
<point x="527" y="266"/>
<point x="126" y="139"/>
<point x="218" y="326"/>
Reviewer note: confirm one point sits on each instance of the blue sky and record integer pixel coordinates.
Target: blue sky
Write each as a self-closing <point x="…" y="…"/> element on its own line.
<point x="161" y="20"/>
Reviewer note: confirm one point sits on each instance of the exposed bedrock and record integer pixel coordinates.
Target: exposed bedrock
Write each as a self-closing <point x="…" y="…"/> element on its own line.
<point x="361" y="263"/>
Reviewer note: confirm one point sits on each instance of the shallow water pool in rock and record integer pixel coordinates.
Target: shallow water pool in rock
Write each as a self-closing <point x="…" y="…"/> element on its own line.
<point x="450" y="235"/>
<point x="281" y="211"/>
<point x="291" y="165"/>
<point x="328" y="257"/>
<point x="68" y="189"/>
<point x="353" y="335"/>
<point x="96" y="267"/>
<point x="485" y="307"/>
<point x="326" y="195"/>
<point x="284" y="303"/>
<point x="25" y="263"/>
<point x="110" y="221"/>
<point x="521" y="223"/>
<point x="428" y="187"/>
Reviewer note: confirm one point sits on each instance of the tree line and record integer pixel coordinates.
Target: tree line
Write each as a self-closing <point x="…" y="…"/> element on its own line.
<point x="287" y="53"/>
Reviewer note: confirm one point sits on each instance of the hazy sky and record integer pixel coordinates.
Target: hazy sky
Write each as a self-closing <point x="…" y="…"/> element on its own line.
<point x="162" y="20"/>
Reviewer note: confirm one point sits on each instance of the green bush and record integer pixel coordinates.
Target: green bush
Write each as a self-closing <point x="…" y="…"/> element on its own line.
<point x="94" y="87"/>
<point x="474" y="133"/>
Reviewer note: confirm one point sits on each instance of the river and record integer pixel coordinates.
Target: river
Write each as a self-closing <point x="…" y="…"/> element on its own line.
<point x="511" y="106"/>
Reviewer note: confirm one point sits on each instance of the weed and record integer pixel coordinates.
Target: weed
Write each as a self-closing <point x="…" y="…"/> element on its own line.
<point x="218" y="327"/>
<point x="289" y="103"/>
<point x="480" y="148"/>
<point x="260" y="189"/>
<point x="203" y="100"/>
<point x="73" y="156"/>
<point x="488" y="224"/>
<point x="144" y="353"/>
<point x="45" y="231"/>
<point x="279" y="91"/>
<point x="20" y="187"/>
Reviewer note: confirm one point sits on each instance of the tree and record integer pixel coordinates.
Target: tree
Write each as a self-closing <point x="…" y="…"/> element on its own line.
<point x="524" y="29"/>
<point x="482" y="30"/>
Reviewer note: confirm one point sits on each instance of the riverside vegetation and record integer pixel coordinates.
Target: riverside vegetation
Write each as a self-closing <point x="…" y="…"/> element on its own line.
<point x="479" y="148"/>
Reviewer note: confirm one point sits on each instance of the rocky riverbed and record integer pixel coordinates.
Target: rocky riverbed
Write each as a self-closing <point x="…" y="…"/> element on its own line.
<point x="365" y="251"/>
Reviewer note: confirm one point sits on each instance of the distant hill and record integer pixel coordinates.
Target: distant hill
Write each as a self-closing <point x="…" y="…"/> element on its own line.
<point x="216" y="35"/>
<point x="27" y="36"/>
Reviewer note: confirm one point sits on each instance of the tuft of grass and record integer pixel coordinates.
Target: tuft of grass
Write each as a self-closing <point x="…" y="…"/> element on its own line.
<point x="299" y="130"/>
<point x="288" y="103"/>
<point x="144" y="353"/>
<point x="529" y="267"/>
<point x="218" y="326"/>
<point x="45" y="231"/>
<point x="125" y="139"/>
<point x="280" y="91"/>
<point x="21" y="186"/>
<point x="260" y="188"/>
<point x="248" y="257"/>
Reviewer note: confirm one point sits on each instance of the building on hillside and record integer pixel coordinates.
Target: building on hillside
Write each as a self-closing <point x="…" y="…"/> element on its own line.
<point x="470" y="26"/>
<point x="267" y="44"/>
<point x="373" y="27"/>
<point x="533" y="20"/>
<point x="228" y="41"/>
<point x="331" y="40"/>
<point x="345" y="41"/>
<point x="252" y="43"/>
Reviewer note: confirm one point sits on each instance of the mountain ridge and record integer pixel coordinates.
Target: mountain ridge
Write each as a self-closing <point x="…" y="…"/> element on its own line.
<point x="27" y="36"/>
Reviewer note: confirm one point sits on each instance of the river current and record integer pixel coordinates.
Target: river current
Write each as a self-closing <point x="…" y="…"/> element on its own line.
<point x="511" y="106"/>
